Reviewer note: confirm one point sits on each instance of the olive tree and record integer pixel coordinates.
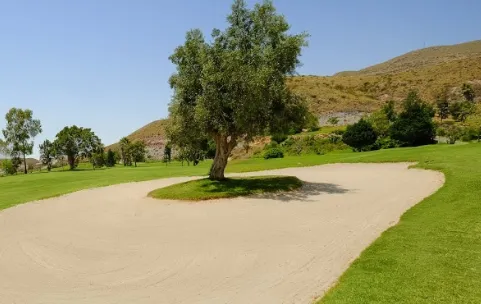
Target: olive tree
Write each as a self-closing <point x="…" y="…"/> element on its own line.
<point x="233" y="87"/>
<point x="47" y="153"/>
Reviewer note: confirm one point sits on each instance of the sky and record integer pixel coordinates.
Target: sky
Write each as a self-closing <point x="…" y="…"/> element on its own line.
<point x="104" y="64"/>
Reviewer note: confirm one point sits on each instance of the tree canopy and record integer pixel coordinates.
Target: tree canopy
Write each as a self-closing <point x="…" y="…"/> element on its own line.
<point x="233" y="87"/>
<point x="76" y="142"/>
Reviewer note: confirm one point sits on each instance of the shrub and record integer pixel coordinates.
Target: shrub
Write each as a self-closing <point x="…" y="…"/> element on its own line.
<point x="333" y="121"/>
<point x="360" y="136"/>
<point x="273" y="153"/>
<point x="279" y="138"/>
<point x="414" y="126"/>
<point x="460" y="110"/>
<point x="8" y="167"/>
<point x="386" y="143"/>
<point x="338" y="132"/>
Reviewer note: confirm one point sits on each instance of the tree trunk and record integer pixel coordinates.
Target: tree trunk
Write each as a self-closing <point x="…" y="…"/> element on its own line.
<point x="223" y="149"/>
<point x="71" y="161"/>
<point x="24" y="164"/>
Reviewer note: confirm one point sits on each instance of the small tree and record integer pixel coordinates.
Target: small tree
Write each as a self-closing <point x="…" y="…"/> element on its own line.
<point x="167" y="153"/>
<point x="360" y="136"/>
<point x="47" y="154"/>
<point x="460" y="110"/>
<point x="137" y="152"/>
<point x="125" y="151"/>
<point x="414" y="126"/>
<point x="453" y="133"/>
<point x="443" y="108"/>
<point x="234" y="87"/>
<point x="468" y="92"/>
<point x="110" y="159"/>
<point x="98" y="158"/>
<point x="19" y="133"/>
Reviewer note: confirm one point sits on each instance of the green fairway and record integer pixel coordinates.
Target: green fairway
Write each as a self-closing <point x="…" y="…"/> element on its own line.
<point x="205" y="189"/>
<point x="431" y="256"/>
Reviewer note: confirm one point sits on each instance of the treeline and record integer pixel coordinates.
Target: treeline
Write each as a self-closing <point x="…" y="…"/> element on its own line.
<point x="70" y="146"/>
<point x="414" y="125"/>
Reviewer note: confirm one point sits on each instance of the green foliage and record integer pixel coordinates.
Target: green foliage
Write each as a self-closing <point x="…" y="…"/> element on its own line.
<point x="137" y="151"/>
<point x="125" y="152"/>
<point x="312" y="144"/>
<point x="468" y="92"/>
<point x="234" y="87"/>
<point x="380" y="122"/>
<point x="98" y="159"/>
<point x="279" y="138"/>
<point x="389" y="110"/>
<point x="273" y="153"/>
<point x="47" y="153"/>
<point x="443" y="108"/>
<point x="167" y="153"/>
<point x="19" y="133"/>
<point x="333" y="121"/>
<point x="361" y="136"/>
<point x="206" y="189"/>
<point x="312" y="124"/>
<point x="414" y="126"/>
<point x="460" y="110"/>
<point x="8" y="167"/>
<point x="385" y="143"/>
<point x="77" y="142"/>
<point x="110" y="160"/>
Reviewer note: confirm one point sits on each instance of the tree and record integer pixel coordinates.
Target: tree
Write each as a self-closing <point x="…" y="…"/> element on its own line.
<point x="110" y="159"/>
<point x="137" y="151"/>
<point x="460" y="110"/>
<point x="380" y="122"/>
<point x="390" y="111"/>
<point x="98" y="158"/>
<point x="19" y="133"/>
<point x="234" y="87"/>
<point x="125" y="151"/>
<point x="414" y="126"/>
<point x="468" y="92"/>
<point x="443" y="108"/>
<point x="360" y="136"/>
<point x="76" y="142"/>
<point x="167" y="153"/>
<point x="47" y="153"/>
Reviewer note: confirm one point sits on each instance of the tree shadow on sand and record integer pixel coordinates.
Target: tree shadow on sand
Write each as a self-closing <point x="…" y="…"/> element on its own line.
<point x="305" y="193"/>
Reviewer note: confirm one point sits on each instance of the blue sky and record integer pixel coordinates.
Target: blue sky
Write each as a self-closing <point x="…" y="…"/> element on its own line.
<point x="104" y="64"/>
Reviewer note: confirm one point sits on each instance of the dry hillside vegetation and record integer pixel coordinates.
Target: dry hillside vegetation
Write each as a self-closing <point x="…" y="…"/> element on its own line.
<point x="368" y="92"/>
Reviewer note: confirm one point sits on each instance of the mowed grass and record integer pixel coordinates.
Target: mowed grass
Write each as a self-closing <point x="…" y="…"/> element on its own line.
<point x="205" y="189"/>
<point x="433" y="255"/>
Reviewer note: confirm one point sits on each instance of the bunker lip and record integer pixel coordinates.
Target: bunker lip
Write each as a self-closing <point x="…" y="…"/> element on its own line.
<point x="114" y="244"/>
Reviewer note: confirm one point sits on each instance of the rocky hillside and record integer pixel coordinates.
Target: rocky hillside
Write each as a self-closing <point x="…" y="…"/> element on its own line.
<point x="153" y="134"/>
<point x="349" y="95"/>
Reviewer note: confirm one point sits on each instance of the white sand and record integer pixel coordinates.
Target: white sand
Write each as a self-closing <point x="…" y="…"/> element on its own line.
<point x="115" y="245"/>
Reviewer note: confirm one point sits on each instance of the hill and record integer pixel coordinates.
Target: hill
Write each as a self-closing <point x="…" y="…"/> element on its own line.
<point x="349" y="95"/>
<point x="153" y="134"/>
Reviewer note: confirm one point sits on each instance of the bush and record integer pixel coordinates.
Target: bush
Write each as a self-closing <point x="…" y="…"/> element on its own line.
<point x="414" y="126"/>
<point x="8" y="167"/>
<point x="279" y="138"/>
<point x="380" y="122"/>
<point x="338" y="132"/>
<point x="460" y="110"/>
<point x="273" y="153"/>
<point x="386" y="143"/>
<point x="360" y="136"/>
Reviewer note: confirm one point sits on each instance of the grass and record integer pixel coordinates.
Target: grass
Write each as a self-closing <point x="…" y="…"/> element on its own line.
<point x="205" y="189"/>
<point x="433" y="255"/>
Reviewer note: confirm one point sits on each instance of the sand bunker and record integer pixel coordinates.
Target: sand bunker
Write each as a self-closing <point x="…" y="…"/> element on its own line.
<point x="115" y="245"/>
